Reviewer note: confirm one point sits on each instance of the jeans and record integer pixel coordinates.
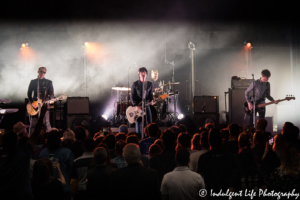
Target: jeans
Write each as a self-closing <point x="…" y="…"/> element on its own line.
<point x="261" y="115"/>
<point x="138" y="123"/>
<point x="34" y="119"/>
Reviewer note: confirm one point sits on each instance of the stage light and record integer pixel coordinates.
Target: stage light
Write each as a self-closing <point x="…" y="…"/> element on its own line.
<point x="248" y="45"/>
<point x="24" y="45"/>
<point x="86" y="44"/>
<point x="105" y="117"/>
<point x="180" y="116"/>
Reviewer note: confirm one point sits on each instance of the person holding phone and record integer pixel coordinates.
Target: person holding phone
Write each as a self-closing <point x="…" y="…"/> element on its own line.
<point x="44" y="184"/>
<point x="273" y="154"/>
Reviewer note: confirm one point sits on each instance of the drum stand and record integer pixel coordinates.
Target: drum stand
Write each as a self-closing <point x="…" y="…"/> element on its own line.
<point x="171" y="117"/>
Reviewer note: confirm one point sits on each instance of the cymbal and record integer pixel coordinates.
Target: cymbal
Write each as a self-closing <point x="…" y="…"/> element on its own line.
<point x="121" y="88"/>
<point x="5" y="101"/>
<point x="175" y="83"/>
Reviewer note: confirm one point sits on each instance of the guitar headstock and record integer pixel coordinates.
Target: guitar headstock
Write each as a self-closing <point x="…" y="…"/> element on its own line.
<point x="62" y="97"/>
<point x="290" y="97"/>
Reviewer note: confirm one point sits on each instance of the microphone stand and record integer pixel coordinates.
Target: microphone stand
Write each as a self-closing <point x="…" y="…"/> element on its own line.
<point x="38" y="96"/>
<point x="254" y="102"/>
<point x="226" y="114"/>
<point x="143" y="108"/>
<point x="128" y="91"/>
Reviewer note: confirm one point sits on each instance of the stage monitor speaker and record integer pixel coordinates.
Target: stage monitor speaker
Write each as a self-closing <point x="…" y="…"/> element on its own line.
<point x="78" y="105"/>
<point x="206" y="104"/>
<point x="188" y="122"/>
<point x="236" y="107"/>
<point x="78" y="120"/>
<point x="202" y="118"/>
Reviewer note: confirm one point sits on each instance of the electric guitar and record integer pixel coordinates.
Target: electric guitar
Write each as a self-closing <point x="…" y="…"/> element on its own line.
<point x="260" y="106"/>
<point x="133" y="115"/>
<point x="34" y="111"/>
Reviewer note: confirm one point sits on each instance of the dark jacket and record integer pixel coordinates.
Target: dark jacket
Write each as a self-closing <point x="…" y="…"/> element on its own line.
<point x="46" y="90"/>
<point x="137" y="90"/>
<point x="163" y="163"/>
<point x="97" y="182"/>
<point x="134" y="182"/>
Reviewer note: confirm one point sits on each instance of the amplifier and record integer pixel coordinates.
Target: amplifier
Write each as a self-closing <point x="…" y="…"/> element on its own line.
<point x="241" y="83"/>
<point x="78" y="105"/>
<point x="206" y="104"/>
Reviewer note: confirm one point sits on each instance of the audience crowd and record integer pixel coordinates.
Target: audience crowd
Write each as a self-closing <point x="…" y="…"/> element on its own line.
<point x="174" y="164"/>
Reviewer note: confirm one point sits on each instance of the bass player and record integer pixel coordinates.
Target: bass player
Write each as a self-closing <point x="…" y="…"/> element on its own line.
<point x="262" y="91"/>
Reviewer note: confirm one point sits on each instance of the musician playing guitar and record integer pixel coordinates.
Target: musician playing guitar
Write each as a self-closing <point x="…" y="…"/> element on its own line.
<point x="136" y="97"/>
<point x="262" y="91"/>
<point x="46" y="92"/>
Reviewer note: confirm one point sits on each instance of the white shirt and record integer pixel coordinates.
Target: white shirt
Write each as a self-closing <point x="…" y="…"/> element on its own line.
<point x="182" y="183"/>
<point x="194" y="158"/>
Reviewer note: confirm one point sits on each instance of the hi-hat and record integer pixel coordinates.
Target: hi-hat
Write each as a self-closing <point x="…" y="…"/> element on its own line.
<point x="121" y="88"/>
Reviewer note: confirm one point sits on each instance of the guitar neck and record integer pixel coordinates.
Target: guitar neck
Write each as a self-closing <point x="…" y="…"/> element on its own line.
<point x="162" y="97"/>
<point x="272" y="102"/>
<point x="51" y="100"/>
<point x="147" y="104"/>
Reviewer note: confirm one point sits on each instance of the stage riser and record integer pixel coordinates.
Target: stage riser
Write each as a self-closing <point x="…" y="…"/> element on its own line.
<point x="116" y="130"/>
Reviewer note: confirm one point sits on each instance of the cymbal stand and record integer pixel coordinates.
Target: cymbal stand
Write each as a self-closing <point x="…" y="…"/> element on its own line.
<point x="171" y="116"/>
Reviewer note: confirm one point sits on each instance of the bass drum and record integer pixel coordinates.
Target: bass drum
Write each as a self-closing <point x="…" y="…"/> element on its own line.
<point x="154" y="114"/>
<point x="124" y="106"/>
<point x="117" y="107"/>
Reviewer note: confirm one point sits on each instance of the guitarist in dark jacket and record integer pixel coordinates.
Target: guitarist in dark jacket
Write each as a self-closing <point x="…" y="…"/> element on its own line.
<point x="46" y="93"/>
<point x="262" y="91"/>
<point x="136" y="97"/>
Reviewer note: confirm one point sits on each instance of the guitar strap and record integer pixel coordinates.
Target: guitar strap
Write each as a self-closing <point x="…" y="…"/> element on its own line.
<point x="145" y="89"/>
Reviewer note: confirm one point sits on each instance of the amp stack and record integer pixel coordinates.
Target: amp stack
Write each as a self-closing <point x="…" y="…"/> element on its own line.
<point x="77" y="112"/>
<point x="237" y="100"/>
<point x="206" y="109"/>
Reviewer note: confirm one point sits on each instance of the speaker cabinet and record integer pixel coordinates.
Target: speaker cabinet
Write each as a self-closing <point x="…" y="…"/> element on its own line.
<point x="202" y="118"/>
<point x="206" y="104"/>
<point x="78" y="120"/>
<point x="78" y="105"/>
<point x="236" y="107"/>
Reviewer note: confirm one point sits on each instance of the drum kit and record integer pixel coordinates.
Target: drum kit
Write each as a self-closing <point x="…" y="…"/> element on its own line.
<point x="120" y="106"/>
<point x="160" y="111"/>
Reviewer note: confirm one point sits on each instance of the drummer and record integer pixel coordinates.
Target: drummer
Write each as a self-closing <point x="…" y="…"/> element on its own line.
<point x="156" y="84"/>
<point x="157" y="92"/>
